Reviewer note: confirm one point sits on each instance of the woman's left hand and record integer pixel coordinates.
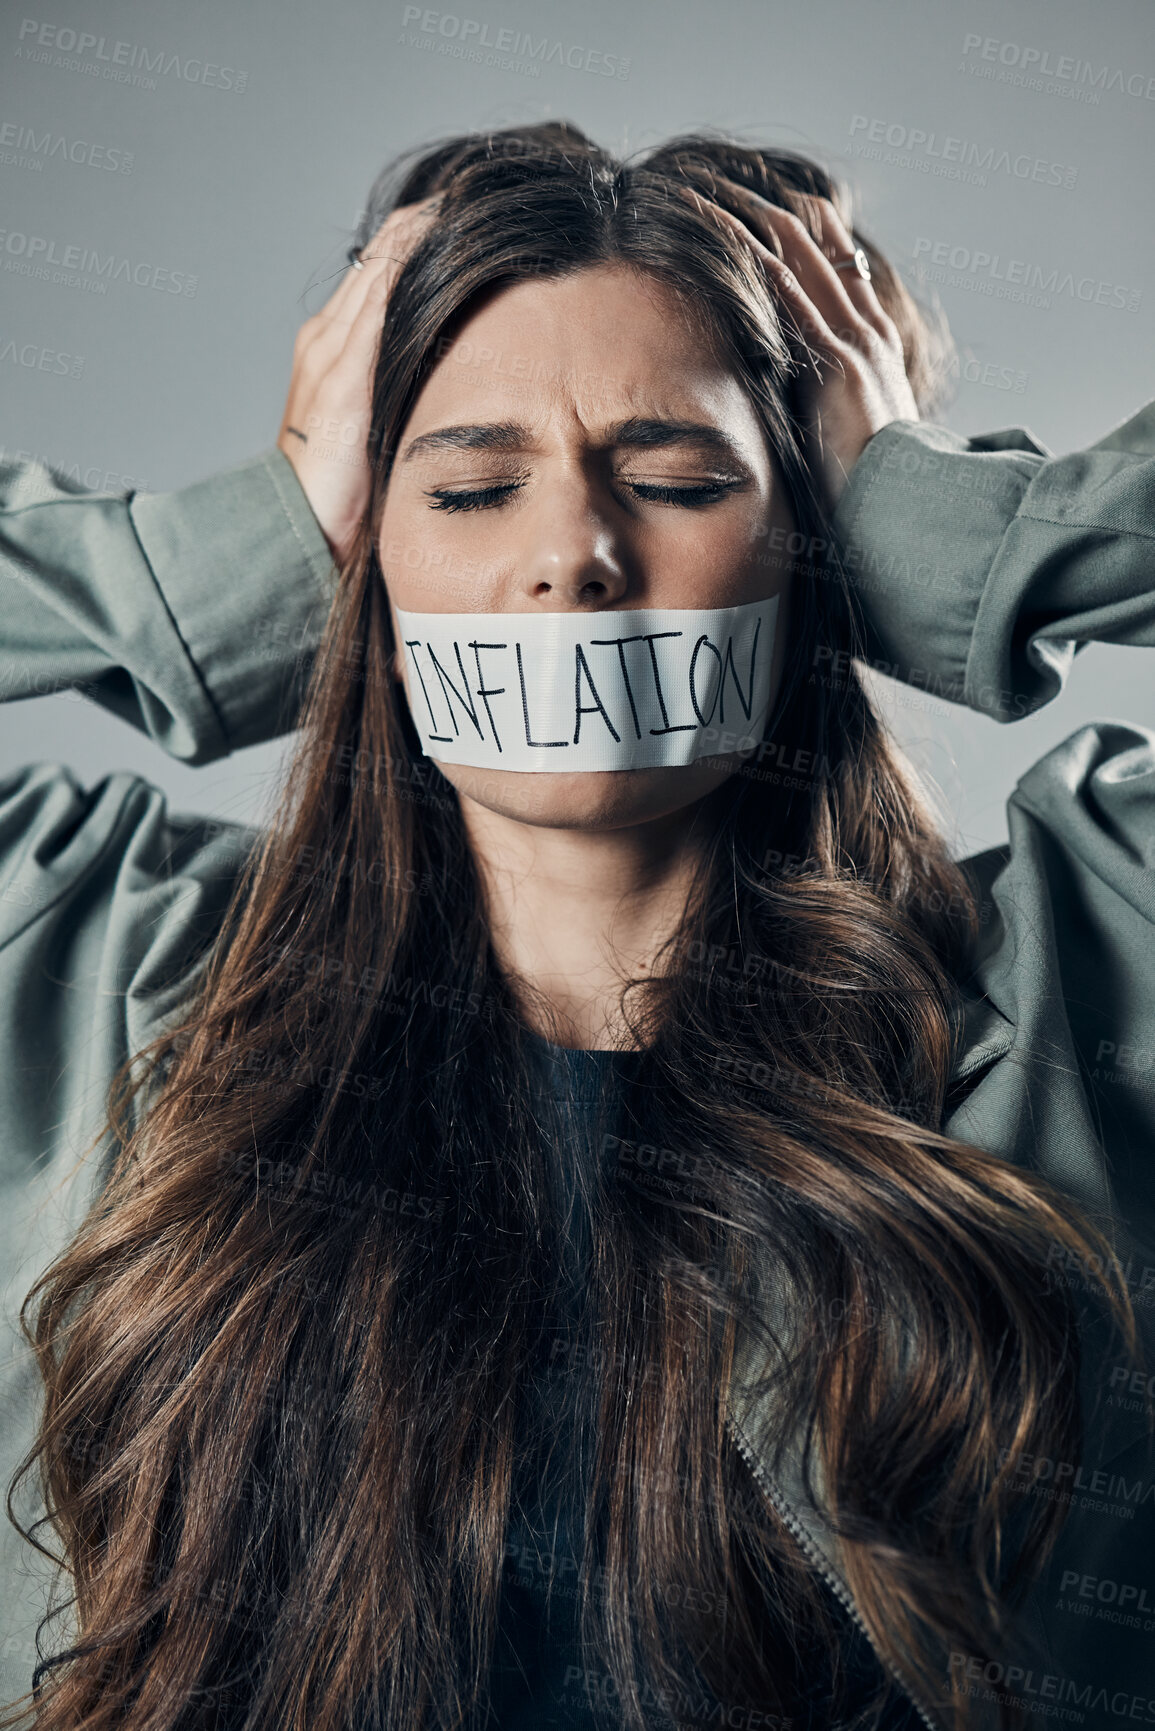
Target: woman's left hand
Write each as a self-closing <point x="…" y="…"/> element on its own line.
<point x="326" y="419"/>
<point x="853" y="379"/>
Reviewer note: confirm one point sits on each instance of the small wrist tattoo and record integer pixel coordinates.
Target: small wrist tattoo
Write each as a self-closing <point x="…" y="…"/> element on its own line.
<point x="304" y="437"/>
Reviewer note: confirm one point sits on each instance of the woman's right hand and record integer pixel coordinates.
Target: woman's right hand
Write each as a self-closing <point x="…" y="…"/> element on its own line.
<point x="331" y="385"/>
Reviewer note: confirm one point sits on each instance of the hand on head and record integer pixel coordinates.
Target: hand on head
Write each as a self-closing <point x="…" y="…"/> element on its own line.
<point x="853" y="380"/>
<point x="326" y="419"/>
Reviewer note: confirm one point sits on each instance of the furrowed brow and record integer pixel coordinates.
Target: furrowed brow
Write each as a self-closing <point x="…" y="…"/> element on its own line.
<point x="636" y="432"/>
<point x="649" y="434"/>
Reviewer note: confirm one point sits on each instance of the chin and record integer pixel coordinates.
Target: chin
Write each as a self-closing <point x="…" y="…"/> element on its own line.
<point x="590" y="799"/>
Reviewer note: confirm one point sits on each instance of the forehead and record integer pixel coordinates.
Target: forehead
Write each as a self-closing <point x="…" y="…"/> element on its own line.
<point x="600" y="342"/>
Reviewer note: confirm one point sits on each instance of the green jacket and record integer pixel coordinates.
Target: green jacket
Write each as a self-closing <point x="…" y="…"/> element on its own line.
<point x="983" y="565"/>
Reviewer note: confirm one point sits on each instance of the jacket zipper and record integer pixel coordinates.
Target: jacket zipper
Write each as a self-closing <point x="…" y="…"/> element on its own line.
<point x="843" y="1594"/>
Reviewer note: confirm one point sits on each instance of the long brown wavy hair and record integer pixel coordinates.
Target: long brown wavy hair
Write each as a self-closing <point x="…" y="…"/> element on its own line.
<point x="283" y="1356"/>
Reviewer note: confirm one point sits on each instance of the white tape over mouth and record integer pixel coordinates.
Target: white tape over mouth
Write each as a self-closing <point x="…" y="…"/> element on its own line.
<point x="624" y="688"/>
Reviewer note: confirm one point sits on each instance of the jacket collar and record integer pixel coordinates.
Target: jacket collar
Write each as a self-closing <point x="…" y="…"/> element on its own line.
<point x="988" y="1034"/>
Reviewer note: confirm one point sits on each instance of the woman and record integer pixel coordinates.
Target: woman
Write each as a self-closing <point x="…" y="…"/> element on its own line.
<point x="522" y="1169"/>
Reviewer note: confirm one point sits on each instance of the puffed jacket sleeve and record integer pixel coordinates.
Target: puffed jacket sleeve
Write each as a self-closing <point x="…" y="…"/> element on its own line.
<point x="194" y="615"/>
<point x="190" y="614"/>
<point x="984" y="565"/>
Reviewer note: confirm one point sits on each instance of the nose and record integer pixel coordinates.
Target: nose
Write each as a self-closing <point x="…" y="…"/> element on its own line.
<point x="573" y="555"/>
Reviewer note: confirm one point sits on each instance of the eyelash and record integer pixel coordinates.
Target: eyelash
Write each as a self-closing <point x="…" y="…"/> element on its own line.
<point x="478" y="499"/>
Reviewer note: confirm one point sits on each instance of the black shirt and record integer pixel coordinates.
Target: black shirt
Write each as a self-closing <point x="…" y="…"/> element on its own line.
<point x="537" y="1678"/>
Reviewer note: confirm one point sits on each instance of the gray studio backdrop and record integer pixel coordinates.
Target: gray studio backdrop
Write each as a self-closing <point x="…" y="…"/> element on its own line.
<point x="224" y="151"/>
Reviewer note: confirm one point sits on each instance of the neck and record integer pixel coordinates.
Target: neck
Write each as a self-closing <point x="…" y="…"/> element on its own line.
<point x="575" y="913"/>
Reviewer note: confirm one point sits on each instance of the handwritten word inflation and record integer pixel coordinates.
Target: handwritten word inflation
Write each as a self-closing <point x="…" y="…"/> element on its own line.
<point x="624" y="688"/>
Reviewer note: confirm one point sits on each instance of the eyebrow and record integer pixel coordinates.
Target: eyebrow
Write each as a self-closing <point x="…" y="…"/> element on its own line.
<point x="515" y="436"/>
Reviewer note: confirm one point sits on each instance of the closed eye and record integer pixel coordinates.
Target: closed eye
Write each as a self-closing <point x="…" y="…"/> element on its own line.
<point x="477" y="499"/>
